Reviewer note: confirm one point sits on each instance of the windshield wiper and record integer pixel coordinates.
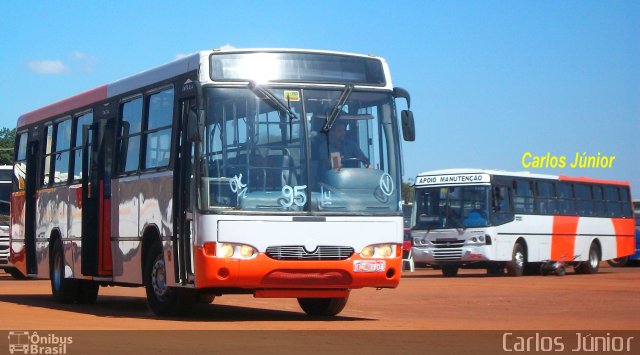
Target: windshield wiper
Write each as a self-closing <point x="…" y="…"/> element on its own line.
<point x="273" y="100"/>
<point x="333" y="116"/>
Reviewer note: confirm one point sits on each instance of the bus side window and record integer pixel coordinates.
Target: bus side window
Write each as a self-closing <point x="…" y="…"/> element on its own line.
<point x="523" y="196"/>
<point x="502" y="212"/>
<point x="566" y="201"/>
<point x="614" y="206"/>
<point x="598" y="202"/>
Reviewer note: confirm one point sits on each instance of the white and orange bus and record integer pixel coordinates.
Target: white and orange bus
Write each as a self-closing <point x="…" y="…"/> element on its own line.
<point x="221" y="172"/>
<point x="520" y="221"/>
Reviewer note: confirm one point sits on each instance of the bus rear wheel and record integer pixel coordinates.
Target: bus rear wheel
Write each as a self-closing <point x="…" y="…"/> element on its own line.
<point x="162" y="299"/>
<point x="64" y="289"/>
<point x="515" y="267"/>
<point x="322" y="307"/>
<point x="592" y="265"/>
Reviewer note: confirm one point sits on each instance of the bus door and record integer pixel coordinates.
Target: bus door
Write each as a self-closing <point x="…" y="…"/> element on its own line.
<point x="97" y="142"/>
<point x="184" y="196"/>
<point x="31" y="184"/>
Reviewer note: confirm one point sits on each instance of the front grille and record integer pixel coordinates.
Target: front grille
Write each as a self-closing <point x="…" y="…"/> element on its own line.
<point x="448" y="249"/>
<point x="297" y="252"/>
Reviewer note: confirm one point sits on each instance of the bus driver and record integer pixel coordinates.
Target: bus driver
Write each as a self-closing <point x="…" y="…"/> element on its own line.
<point x="342" y="152"/>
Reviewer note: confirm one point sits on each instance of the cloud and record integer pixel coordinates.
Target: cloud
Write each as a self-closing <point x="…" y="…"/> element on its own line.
<point x="47" y="66"/>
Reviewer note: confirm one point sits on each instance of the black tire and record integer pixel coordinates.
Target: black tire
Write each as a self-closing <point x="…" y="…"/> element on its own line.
<point x="87" y="292"/>
<point x="64" y="290"/>
<point x="206" y="298"/>
<point x="450" y="270"/>
<point x="592" y="265"/>
<point x="164" y="300"/>
<point x="515" y="267"/>
<point x="16" y="274"/>
<point x="619" y="262"/>
<point x="322" y="307"/>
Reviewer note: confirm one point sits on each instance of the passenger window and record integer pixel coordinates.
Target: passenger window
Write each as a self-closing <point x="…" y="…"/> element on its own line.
<point x="129" y="135"/>
<point x="61" y="154"/>
<point x="598" y="202"/>
<point x="545" y="198"/>
<point x="614" y="205"/>
<point x="566" y="202"/>
<point x="158" y="133"/>
<point x="523" y="196"/>
<point x="20" y="167"/>
<point x="584" y="202"/>
<point x="46" y="159"/>
<point x="80" y="122"/>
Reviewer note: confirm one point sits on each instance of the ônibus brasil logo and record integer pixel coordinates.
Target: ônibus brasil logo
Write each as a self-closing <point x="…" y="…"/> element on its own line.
<point x="24" y="342"/>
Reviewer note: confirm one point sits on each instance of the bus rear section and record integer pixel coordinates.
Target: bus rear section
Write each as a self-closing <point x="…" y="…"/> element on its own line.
<point x="520" y="222"/>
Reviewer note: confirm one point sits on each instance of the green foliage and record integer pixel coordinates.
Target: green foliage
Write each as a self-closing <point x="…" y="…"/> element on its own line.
<point x="407" y="192"/>
<point x="7" y="141"/>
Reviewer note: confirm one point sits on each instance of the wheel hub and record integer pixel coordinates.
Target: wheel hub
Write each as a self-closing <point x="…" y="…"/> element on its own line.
<point x="158" y="278"/>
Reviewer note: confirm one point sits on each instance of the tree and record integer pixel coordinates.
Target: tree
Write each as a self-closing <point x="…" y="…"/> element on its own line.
<point x="407" y="192"/>
<point x="7" y="141"/>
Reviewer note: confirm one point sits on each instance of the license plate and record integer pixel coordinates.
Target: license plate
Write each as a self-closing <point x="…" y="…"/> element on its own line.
<point x="369" y="266"/>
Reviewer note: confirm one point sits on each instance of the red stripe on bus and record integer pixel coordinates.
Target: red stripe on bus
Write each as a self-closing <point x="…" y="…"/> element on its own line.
<point x="563" y="238"/>
<point x="71" y="103"/>
<point x="592" y="181"/>
<point x="625" y="236"/>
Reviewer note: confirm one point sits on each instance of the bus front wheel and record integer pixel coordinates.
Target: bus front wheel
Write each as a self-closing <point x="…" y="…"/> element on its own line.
<point x="515" y="267"/>
<point x="64" y="289"/>
<point x="162" y="299"/>
<point x="322" y="307"/>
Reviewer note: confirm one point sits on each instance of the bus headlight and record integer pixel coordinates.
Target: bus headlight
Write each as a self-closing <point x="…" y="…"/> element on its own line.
<point x="237" y="251"/>
<point x="367" y="251"/>
<point x="226" y="251"/>
<point x="385" y="250"/>
<point x="246" y="251"/>
<point x="378" y="251"/>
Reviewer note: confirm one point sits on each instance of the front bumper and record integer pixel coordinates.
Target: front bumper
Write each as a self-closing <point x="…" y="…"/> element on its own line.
<point x="262" y="274"/>
<point x="466" y="254"/>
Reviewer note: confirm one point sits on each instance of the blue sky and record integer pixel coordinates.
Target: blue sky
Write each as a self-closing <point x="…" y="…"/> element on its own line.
<point x="490" y="80"/>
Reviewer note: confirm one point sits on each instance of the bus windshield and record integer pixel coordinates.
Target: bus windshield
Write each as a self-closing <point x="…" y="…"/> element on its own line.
<point x="270" y="150"/>
<point x="452" y="207"/>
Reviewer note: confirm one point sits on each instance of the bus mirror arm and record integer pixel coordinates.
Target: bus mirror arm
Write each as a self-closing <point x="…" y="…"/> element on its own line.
<point x="402" y="93"/>
<point x="193" y="131"/>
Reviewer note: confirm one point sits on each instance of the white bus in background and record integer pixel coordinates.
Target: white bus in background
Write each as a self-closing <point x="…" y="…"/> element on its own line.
<point x="6" y="173"/>
<point x="519" y="220"/>
<point x="220" y="172"/>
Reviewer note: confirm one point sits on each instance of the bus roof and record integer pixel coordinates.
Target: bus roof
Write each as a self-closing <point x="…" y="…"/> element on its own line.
<point x="523" y="174"/>
<point x="177" y="67"/>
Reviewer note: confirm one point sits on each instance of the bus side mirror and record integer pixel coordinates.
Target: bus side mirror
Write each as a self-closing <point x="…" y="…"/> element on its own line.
<point x="408" y="127"/>
<point x="193" y="133"/>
